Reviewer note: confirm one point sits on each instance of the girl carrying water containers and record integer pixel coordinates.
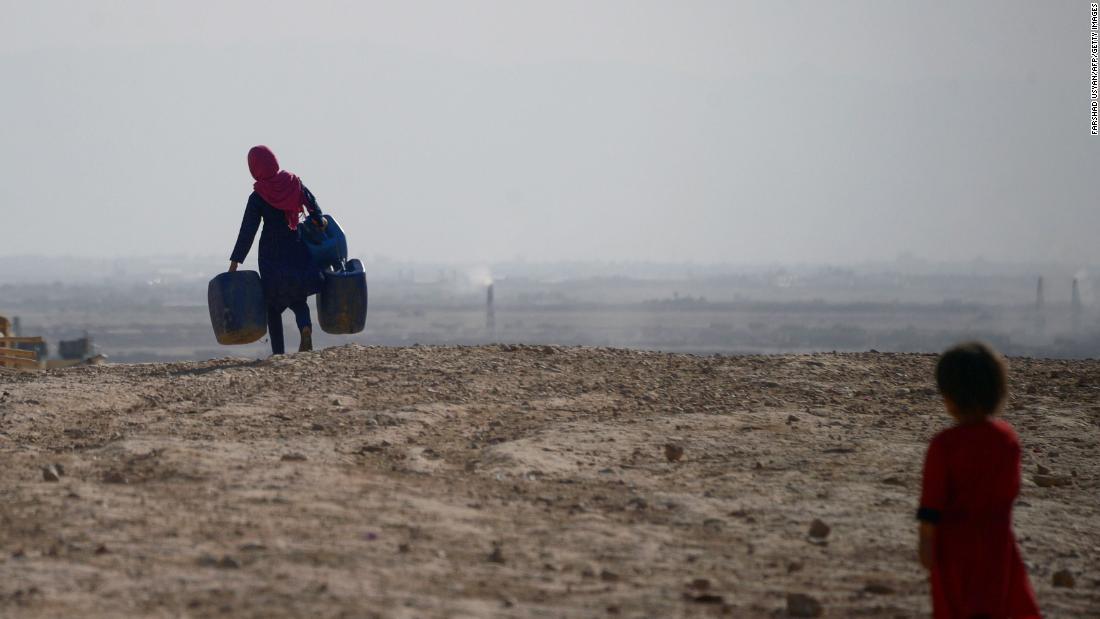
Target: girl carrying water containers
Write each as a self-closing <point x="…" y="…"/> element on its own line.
<point x="287" y="271"/>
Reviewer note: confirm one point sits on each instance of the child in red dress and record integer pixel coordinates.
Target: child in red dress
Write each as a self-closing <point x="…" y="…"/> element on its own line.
<point x="971" y="479"/>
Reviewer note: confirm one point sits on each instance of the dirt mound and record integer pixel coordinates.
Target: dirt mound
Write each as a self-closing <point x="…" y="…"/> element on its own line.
<point x="511" y="481"/>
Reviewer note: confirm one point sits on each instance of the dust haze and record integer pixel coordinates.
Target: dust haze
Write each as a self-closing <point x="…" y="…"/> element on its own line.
<point x="652" y="291"/>
<point x="155" y="309"/>
<point x="703" y="177"/>
<point x="487" y="131"/>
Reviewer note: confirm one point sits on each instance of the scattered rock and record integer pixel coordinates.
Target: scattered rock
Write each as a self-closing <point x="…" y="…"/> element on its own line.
<point x="703" y="598"/>
<point x="608" y="576"/>
<point x="894" y="481"/>
<point x="673" y="452"/>
<point x="497" y="555"/>
<point x="383" y="419"/>
<point x="344" y="401"/>
<point x="700" y="584"/>
<point x="114" y="477"/>
<point x="794" y="566"/>
<point x="1042" y="470"/>
<point x="802" y="605"/>
<point x="1063" y="578"/>
<point x="51" y="473"/>
<point x="22" y="595"/>
<point x="1051" y="481"/>
<point x="714" y="525"/>
<point x="819" y="530"/>
<point x="226" y="562"/>
<point x="293" y="457"/>
<point x="878" y="588"/>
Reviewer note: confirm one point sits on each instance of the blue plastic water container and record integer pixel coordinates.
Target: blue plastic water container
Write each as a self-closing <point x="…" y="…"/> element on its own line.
<point x="328" y="247"/>
<point x="342" y="304"/>
<point x="237" y="310"/>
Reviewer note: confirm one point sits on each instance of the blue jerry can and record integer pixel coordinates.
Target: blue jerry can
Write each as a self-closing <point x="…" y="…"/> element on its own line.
<point x="327" y="247"/>
<point x="342" y="304"/>
<point x="237" y="310"/>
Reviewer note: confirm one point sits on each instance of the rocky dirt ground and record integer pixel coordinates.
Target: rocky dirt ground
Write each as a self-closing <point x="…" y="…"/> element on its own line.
<point x="512" y="481"/>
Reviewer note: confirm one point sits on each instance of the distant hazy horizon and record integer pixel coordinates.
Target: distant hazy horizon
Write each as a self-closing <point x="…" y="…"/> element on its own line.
<point x="28" y="268"/>
<point x="487" y="130"/>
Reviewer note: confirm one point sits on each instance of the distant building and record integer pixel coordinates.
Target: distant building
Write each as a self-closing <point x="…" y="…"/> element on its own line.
<point x="76" y="350"/>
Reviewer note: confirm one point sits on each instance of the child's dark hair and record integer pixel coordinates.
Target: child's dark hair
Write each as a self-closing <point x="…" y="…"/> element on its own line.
<point x="973" y="376"/>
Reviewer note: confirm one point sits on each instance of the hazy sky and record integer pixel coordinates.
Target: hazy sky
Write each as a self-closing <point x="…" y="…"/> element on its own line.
<point x="561" y="129"/>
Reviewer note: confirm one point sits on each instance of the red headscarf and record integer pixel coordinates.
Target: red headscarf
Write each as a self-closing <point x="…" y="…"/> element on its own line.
<point x="279" y="188"/>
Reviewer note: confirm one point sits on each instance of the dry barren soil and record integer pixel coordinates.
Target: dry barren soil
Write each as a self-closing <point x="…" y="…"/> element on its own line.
<point x="512" y="481"/>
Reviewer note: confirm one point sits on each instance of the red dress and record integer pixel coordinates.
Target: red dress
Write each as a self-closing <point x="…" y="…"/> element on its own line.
<point x="971" y="479"/>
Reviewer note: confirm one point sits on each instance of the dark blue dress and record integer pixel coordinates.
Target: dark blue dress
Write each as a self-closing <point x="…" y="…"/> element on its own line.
<point x="286" y="269"/>
<point x="285" y="265"/>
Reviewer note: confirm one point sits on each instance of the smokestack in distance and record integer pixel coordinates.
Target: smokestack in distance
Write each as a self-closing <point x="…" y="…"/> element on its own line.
<point x="1075" y="305"/>
<point x="490" y="311"/>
